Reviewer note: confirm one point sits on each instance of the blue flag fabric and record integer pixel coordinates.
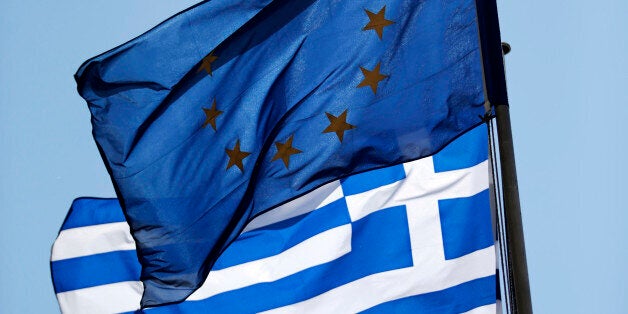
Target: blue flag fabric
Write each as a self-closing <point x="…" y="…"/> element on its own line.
<point x="410" y="238"/>
<point x="232" y="108"/>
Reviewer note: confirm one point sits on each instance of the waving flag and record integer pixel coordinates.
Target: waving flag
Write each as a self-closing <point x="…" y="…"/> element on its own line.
<point x="232" y="108"/>
<point x="411" y="238"/>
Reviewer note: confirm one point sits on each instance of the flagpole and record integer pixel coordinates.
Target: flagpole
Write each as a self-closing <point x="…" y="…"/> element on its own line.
<point x="519" y="285"/>
<point x="517" y="267"/>
<point x="495" y="82"/>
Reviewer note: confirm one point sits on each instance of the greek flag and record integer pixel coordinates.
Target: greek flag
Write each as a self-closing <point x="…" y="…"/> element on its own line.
<point x="411" y="238"/>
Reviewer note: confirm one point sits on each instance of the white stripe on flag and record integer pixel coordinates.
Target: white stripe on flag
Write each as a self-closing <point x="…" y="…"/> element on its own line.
<point x="92" y="240"/>
<point x="318" y="198"/>
<point x="112" y="298"/>
<point x="370" y="291"/>
<point x="423" y="183"/>
<point x="319" y="249"/>
<point x="487" y="309"/>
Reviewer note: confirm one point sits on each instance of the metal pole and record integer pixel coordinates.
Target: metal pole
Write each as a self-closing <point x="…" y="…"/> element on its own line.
<point x="519" y="285"/>
<point x="495" y="80"/>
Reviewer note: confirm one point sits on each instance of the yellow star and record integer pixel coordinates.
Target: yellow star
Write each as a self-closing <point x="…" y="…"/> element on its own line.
<point x="372" y="78"/>
<point x="377" y="21"/>
<point x="206" y="64"/>
<point x="285" y="150"/>
<point x="236" y="156"/>
<point x="211" y="114"/>
<point x="338" y="124"/>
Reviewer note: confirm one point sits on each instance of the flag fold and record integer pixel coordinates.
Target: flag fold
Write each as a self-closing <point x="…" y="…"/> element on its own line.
<point x="232" y="108"/>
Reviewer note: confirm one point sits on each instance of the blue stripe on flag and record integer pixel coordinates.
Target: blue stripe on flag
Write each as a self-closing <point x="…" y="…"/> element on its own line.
<point x="95" y="270"/>
<point x="464" y="224"/>
<point x="278" y="237"/>
<point x="93" y="211"/>
<point x="380" y="242"/>
<point x="457" y="299"/>
<point x="369" y="180"/>
<point x="467" y="151"/>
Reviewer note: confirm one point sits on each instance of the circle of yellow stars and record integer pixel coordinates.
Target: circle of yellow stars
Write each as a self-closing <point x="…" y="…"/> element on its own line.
<point x="337" y="124"/>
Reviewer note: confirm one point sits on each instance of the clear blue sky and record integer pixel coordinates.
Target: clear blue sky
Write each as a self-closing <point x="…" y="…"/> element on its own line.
<point x="568" y="85"/>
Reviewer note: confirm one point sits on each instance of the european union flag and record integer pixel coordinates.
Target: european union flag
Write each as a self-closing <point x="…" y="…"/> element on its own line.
<point x="232" y="108"/>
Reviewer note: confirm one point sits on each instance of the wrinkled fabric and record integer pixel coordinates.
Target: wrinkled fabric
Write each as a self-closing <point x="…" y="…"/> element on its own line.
<point x="281" y="68"/>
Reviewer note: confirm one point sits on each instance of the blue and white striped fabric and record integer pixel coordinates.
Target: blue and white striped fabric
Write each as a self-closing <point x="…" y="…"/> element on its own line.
<point x="416" y="237"/>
